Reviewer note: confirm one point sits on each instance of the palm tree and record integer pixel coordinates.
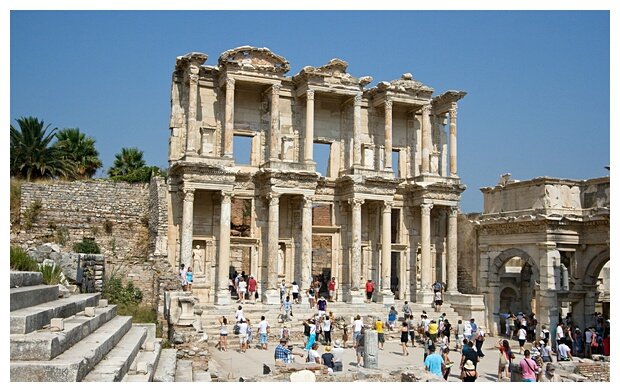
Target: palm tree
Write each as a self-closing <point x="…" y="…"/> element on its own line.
<point x="79" y="148"/>
<point x="32" y="155"/>
<point x="127" y="162"/>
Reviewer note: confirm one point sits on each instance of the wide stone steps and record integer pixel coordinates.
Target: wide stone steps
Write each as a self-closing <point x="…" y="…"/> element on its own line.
<point x="79" y="338"/>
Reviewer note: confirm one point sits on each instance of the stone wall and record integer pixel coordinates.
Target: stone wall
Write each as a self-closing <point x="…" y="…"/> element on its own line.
<point x="127" y="221"/>
<point x="467" y="255"/>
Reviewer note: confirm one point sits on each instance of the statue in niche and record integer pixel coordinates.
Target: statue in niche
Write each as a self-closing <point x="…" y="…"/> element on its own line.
<point x="198" y="259"/>
<point x="280" y="262"/>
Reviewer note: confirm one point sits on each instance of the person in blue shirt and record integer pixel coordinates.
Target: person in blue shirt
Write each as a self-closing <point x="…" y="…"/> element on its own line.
<point x="284" y="354"/>
<point x="434" y="363"/>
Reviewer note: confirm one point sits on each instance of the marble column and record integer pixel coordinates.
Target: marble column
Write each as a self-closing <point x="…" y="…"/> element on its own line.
<point x="357" y="130"/>
<point x="271" y="294"/>
<point x="386" y="296"/>
<point x="229" y="118"/>
<point x="222" y="296"/>
<point x="187" y="229"/>
<point x="425" y="228"/>
<point x="427" y="141"/>
<point x="192" y="76"/>
<point x="308" y="149"/>
<point x="306" y="247"/>
<point x="274" y="139"/>
<point x="452" y="249"/>
<point x="356" y="293"/>
<point x="388" y="134"/>
<point x="549" y="308"/>
<point x="452" y="112"/>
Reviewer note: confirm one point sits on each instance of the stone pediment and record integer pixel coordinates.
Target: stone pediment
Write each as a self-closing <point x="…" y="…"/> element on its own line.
<point x="335" y="71"/>
<point x="405" y="84"/>
<point x="254" y="59"/>
<point x="194" y="58"/>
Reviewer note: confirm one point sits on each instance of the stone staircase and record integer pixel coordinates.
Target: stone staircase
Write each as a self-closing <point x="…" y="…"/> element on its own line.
<point x="79" y="338"/>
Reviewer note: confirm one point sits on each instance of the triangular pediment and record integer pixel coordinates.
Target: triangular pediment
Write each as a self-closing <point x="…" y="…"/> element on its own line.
<point x="254" y="59"/>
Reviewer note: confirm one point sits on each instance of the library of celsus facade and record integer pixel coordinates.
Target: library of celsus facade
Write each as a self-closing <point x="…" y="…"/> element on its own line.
<point x="247" y="195"/>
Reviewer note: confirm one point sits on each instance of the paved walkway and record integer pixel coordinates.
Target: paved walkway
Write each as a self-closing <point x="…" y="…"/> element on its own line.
<point x="250" y="363"/>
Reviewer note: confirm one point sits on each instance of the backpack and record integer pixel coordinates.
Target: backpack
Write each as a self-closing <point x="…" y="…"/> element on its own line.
<point x="236" y="329"/>
<point x="431" y="345"/>
<point x="594" y="340"/>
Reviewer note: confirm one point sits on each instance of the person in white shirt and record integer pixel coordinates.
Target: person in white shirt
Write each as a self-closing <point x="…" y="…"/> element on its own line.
<point x="263" y="328"/>
<point x="242" y="287"/>
<point x="522" y="338"/>
<point x="587" y="352"/>
<point x="357" y="328"/>
<point x="295" y="292"/>
<point x="338" y="352"/>
<point x="564" y="351"/>
<point x="559" y="334"/>
<point x="243" y="335"/>
<point x="239" y="314"/>
<point x="313" y="354"/>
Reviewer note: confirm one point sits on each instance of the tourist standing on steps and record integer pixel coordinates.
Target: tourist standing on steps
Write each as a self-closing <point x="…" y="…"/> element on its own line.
<point x="321" y="306"/>
<point x="250" y="338"/>
<point x="411" y="327"/>
<point x="286" y="310"/>
<point x="331" y="287"/>
<point x="467" y="331"/>
<point x="404" y="337"/>
<point x="522" y="337"/>
<point x="243" y="335"/>
<point x="406" y="310"/>
<point x="358" y="325"/>
<point x="345" y="335"/>
<point x="327" y="329"/>
<point x="312" y="324"/>
<point x="392" y="316"/>
<point x="263" y="332"/>
<point x="359" y="345"/>
<point x="252" y="289"/>
<point x="190" y="278"/>
<point x="432" y="330"/>
<point x="438" y="301"/>
<point x="459" y="332"/>
<point x="311" y="297"/>
<point x="223" y="333"/>
<point x="380" y="335"/>
<point x="183" y="276"/>
<point x="317" y="287"/>
<point x="295" y="292"/>
<point x="370" y="288"/>
<point x="239" y="314"/>
<point x="241" y="289"/>
<point x="282" y="291"/>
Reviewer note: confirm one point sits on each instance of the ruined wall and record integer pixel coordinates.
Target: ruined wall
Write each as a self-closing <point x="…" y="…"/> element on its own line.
<point x="127" y="221"/>
<point x="467" y="255"/>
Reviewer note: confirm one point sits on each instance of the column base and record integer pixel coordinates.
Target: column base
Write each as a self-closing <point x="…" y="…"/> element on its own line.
<point x="356" y="297"/>
<point x="222" y="297"/>
<point x="425" y="297"/>
<point x="271" y="297"/>
<point x="385" y="297"/>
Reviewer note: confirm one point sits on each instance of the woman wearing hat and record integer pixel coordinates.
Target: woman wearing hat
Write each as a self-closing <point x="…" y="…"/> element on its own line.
<point x="469" y="373"/>
<point x="338" y="353"/>
<point x="327" y="358"/>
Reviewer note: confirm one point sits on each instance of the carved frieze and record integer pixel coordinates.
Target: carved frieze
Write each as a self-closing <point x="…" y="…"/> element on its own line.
<point x="255" y="59"/>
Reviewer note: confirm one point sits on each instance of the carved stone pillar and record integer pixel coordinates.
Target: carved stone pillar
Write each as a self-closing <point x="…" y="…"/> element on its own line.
<point x="187" y="229"/>
<point x="229" y="120"/>
<point x="425" y="228"/>
<point x="452" y="250"/>
<point x="192" y="78"/>
<point x="427" y="141"/>
<point x="386" y="296"/>
<point x="306" y="246"/>
<point x="548" y="306"/>
<point x="388" y="134"/>
<point x="222" y="296"/>
<point x="274" y="139"/>
<point x="453" y="140"/>
<point x="271" y="295"/>
<point x="357" y="130"/>
<point x="308" y="150"/>
<point x="356" y="295"/>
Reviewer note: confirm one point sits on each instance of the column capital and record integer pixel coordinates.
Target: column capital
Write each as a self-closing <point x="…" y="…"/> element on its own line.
<point x="387" y="205"/>
<point x="356" y="202"/>
<point x="188" y="194"/>
<point x="357" y="100"/>
<point x="275" y="89"/>
<point x="426" y="208"/>
<point x="310" y="95"/>
<point x="452" y="112"/>
<point x="388" y="104"/>
<point x="453" y="211"/>
<point x="226" y="196"/>
<point x="230" y="83"/>
<point x="274" y="198"/>
<point x="307" y="201"/>
<point x="426" y="110"/>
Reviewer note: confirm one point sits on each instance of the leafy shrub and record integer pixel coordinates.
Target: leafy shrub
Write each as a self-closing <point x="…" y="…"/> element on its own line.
<point x="88" y="246"/>
<point x="62" y="236"/>
<point x="21" y="261"/>
<point x="116" y="293"/>
<point x="52" y="274"/>
<point x="15" y="198"/>
<point x="140" y="313"/>
<point x="32" y="213"/>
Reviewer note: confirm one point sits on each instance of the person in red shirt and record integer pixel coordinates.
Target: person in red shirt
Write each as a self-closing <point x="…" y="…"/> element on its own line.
<point x="370" y="288"/>
<point x="252" y="289"/>
<point x="331" y="286"/>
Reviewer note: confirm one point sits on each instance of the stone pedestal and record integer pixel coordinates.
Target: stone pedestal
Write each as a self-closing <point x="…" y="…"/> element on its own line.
<point x="356" y="297"/>
<point x="371" y="349"/>
<point x="187" y="311"/>
<point x="222" y="297"/>
<point x="271" y="297"/>
<point x="385" y="297"/>
<point x="425" y="297"/>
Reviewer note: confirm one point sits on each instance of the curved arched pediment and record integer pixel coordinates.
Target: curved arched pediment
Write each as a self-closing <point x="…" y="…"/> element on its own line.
<point x="508" y="254"/>
<point x="251" y="58"/>
<point x="595" y="266"/>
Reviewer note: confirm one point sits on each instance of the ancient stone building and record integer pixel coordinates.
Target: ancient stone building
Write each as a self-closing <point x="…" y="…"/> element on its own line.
<point x="384" y="209"/>
<point x="543" y="247"/>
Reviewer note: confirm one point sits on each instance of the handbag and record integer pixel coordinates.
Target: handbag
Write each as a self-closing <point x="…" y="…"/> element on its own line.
<point x="503" y="361"/>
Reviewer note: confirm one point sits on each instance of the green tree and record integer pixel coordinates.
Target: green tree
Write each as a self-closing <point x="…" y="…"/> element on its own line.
<point x="80" y="149"/>
<point x="33" y="155"/>
<point x="128" y="161"/>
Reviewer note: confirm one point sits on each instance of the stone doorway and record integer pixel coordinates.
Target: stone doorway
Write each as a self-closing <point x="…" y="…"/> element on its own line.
<point x="322" y="260"/>
<point x="395" y="274"/>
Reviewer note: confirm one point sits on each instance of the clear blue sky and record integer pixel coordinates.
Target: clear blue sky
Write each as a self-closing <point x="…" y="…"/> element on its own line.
<point x="537" y="82"/>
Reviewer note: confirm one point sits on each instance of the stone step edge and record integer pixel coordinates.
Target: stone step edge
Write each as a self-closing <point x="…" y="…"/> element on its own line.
<point x="146" y="362"/>
<point x="74" y="364"/>
<point x="166" y="367"/>
<point x="115" y="364"/>
<point x="28" y="296"/>
<point x="48" y="344"/>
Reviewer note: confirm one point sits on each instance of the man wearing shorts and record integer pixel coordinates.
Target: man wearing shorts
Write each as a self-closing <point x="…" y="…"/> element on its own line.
<point x="370" y="287"/>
